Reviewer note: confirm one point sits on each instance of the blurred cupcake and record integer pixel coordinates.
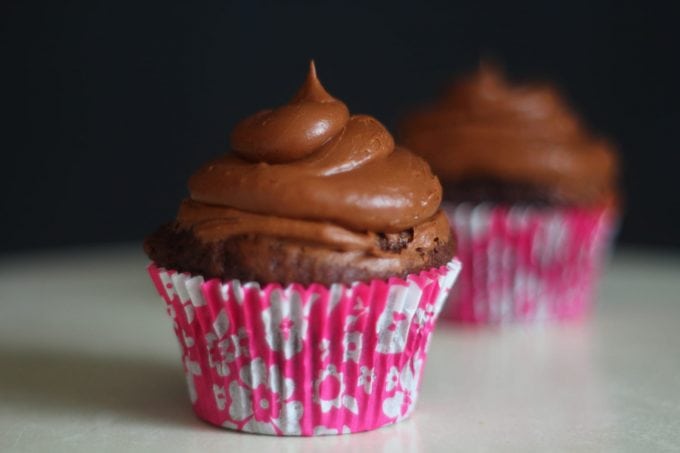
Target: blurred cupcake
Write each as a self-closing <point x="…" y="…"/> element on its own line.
<point x="305" y="272"/>
<point x="531" y="194"/>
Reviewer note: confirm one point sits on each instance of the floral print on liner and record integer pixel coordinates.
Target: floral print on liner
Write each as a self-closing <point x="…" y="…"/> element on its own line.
<point x="526" y="264"/>
<point x="304" y="360"/>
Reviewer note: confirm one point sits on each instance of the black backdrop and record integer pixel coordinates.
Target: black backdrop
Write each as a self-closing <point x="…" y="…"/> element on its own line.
<point x="107" y="107"/>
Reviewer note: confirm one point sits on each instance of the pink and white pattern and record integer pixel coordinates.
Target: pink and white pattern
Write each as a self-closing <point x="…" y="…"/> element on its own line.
<point x="304" y="360"/>
<point x="526" y="264"/>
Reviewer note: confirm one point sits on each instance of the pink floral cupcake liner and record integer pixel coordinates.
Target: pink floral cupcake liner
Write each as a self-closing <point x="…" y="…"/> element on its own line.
<point x="526" y="264"/>
<point x="304" y="360"/>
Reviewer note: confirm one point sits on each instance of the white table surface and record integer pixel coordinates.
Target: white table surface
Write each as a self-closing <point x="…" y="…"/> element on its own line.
<point x="88" y="362"/>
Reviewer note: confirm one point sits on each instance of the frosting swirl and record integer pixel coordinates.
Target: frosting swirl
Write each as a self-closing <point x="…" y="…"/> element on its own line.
<point x="486" y="129"/>
<point x="292" y="131"/>
<point x="310" y="172"/>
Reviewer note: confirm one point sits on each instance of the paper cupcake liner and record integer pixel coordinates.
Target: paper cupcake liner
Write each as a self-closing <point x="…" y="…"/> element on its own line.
<point x="526" y="264"/>
<point x="304" y="360"/>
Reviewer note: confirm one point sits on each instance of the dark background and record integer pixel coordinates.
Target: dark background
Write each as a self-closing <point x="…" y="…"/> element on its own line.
<point x="107" y="107"/>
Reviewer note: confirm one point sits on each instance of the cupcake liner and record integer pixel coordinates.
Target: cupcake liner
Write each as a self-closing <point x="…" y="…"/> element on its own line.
<point x="526" y="264"/>
<point x="304" y="360"/>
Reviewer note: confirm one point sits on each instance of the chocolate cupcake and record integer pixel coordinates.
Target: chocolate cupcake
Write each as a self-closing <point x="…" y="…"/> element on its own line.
<point x="531" y="192"/>
<point x="305" y="269"/>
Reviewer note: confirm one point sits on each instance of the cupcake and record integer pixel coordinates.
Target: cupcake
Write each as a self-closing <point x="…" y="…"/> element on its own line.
<point x="305" y="271"/>
<point x="531" y="193"/>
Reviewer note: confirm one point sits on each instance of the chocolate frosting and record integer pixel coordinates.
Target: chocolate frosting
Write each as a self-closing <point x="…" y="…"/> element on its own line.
<point x="310" y="172"/>
<point x="489" y="130"/>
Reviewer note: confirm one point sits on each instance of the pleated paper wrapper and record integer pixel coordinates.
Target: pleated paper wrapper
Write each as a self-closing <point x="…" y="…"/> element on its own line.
<point x="304" y="360"/>
<point x="527" y="264"/>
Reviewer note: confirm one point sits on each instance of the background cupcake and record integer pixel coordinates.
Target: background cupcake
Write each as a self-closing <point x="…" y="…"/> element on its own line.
<point x="531" y="193"/>
<point x="305" y="272"/>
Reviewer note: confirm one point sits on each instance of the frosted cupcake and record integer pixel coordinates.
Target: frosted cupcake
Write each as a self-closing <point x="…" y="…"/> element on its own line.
<point x="305" y="271"/>
<point x="531" y="193"/>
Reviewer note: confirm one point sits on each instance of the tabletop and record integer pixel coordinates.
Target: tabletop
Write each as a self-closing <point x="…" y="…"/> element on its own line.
<point x="89" y="362"/>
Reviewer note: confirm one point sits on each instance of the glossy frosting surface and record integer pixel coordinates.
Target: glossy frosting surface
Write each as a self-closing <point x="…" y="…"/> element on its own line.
<point x="311" y="172"/>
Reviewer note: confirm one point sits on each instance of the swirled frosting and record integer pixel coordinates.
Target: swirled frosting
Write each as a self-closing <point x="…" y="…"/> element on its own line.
<point x="486" y="129"/>
<point x="311" y="172"/>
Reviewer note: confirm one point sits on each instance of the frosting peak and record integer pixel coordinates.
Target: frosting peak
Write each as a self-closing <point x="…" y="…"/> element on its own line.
<point x="294" y="130"/>
<point x="488" y="96"/>
<point x="312" y="90"/>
